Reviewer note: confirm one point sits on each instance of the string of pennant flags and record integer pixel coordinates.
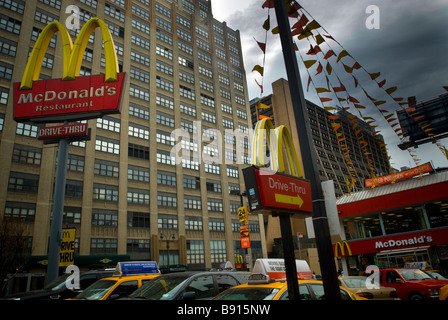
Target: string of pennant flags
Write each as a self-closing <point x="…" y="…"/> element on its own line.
<point x="333" y="65"/>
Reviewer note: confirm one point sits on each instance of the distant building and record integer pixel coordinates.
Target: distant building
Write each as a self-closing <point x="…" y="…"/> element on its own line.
<point x="331" y="159"/>
<point x="422" y="121"/>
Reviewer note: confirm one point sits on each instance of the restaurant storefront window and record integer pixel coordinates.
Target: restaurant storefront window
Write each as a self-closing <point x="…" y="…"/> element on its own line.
<point x="408" y="219"/>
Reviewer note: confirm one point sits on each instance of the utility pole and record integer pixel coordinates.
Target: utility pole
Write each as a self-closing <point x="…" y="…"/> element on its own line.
<point x="320" y="220"/>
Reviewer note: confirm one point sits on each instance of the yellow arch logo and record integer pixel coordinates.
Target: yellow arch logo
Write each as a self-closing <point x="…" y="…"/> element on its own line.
<point x="340" y="247"/>
<point x="72" y="53"/>
<point x="279" y="143"/>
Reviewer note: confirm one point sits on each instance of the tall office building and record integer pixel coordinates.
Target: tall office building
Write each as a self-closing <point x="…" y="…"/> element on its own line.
<point x="125" y="193"/>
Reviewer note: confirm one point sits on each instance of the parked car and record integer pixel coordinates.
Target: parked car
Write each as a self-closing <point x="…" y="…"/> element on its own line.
<point x="358" y="285"/>
<point x="411" y="283"/>
<point x="189" y="285"/>
<point x="57" y="290"/>
<point x="261" y="287"/>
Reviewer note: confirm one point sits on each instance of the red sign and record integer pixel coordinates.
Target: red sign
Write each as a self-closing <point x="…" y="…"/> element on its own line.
<point x="59" y="132"/>
<point x="56" y="100"/>
<point x="409" y="240"/>
<point x="273" y="191"/>
<point x="425" y="168"/>
<point x="245" y="239"/>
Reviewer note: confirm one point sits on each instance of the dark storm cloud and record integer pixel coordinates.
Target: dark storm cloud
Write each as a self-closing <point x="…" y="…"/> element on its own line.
<point x="409" y="49"/>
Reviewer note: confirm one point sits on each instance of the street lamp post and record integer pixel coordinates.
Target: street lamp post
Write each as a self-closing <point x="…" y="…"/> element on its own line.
<point x="173" y="237"/>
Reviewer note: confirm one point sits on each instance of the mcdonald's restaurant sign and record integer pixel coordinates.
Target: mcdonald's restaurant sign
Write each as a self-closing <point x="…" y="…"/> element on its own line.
<point x="342" y="249"/>
<point x="72" y="97"/>
<point x="274" y="189"/>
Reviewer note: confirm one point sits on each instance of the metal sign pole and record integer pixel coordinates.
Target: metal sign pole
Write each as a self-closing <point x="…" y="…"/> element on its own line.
<point x="58" y="209"/>
<point x="323" y="239"/>
<point x="289" y="256"/>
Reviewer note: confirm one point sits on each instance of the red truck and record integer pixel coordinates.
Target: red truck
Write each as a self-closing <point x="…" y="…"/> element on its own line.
<point x="410" y="283"/>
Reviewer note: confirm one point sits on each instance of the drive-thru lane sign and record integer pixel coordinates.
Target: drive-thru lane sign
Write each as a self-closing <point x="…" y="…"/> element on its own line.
<point x="270" y="191"/>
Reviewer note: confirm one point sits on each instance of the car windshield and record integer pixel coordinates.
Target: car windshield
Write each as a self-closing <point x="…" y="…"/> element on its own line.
<point x="97" y="290"/>
<point x="248" y="294"/>
<point x="414" y="274"/>
<point x="356" y="282"/>
<point x="58" y="283"/>
<point x="161" y="288"/>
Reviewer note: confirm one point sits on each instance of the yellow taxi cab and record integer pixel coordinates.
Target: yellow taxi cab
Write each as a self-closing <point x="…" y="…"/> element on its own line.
<point x="128" y="277"/>
<point x="268" y="282"/>
<point x="264" y="289"/>
<point x="444" y="293"/>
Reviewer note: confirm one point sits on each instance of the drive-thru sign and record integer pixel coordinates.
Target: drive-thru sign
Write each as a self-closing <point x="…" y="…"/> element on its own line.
<point x="270" y="191"/>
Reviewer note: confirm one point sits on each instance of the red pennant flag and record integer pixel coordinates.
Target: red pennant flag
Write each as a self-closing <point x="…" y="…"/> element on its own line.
<point x="308" y="86"/>
<point x="314" y="51"/>
<point x="297" y="31"/>
<point x="340" y="88"/>
<point x="261" y="87"/>
<point x="261" y="45"/>
<point x="301" y="23"/>
<point x="382" y="83"/>
<point x="351" y="99"/>
<point x="329" y="54"/>
<point x="268" y="4"/>
<point x="356" y="66"/>
<point x="319" y="69"/>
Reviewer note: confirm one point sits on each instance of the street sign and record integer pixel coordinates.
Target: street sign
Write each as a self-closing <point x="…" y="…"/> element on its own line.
<point x="245" y="239"/>
<point x="242" y="214"/>
<point x="270" y="191"/>
<point x="67" y="251"/>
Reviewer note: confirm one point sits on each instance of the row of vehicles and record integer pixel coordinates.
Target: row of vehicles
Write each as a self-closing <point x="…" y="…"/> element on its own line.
<point x="143" y="281"/>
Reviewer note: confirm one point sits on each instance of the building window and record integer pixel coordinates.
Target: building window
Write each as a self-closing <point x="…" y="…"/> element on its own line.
<point x="23" y="182"/>
<point x="216" y="225"/>
<point x="214" y="205"/>
<point x="218" y="251"/>
<point x="192" y="202"/>
<point x="106" y="218"/>
<point x="193" y="223"/>
<point x="138" y="151"/>
<point x="138" y="220"/>
<point x="138" y="173"/>
<point x="105" y="192"/>
<point x="106" y="168"/>
<point x="107" y="145"/>
<point x="26" y="154"/>
<point x="20" y="211"/>
<point x="192" y="182"/>
<point x="103" y="246"/>
<point x="166" y="178"/>
<point x="138" y="196"/>
<point x="165" y="199"/>
<point x="195" y="252"/>
<point x="166" y="221"/>
<point x="71" y="215"/>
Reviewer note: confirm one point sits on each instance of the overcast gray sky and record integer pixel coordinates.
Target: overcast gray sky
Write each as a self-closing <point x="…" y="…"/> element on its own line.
<point x="410" y="49"/>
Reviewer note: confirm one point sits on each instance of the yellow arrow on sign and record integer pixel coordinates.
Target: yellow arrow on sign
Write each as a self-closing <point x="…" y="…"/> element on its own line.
<point x="294" y="200"/>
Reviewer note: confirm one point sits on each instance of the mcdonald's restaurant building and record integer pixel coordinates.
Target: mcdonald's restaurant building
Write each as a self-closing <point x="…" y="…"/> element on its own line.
<point x="126" y="197"/>
<point x="396" y="224"/>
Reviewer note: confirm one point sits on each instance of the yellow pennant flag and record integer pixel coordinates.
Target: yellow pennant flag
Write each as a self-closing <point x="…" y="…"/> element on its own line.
<point x="309" y="63"/>
<point x="267" y="24"/>
<point x="258" y="68"/>
<point x="262" y="105"/>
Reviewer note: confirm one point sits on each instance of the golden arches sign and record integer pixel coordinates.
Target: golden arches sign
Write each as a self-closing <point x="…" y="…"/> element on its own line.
<point x="72" y="53"/>
<point x="72" y="97"/>
<point x="279" y="142"/>
<point x="339" y="247"/>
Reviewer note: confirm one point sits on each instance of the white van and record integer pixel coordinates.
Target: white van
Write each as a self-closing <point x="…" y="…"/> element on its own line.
<point x="275" y="269"/>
